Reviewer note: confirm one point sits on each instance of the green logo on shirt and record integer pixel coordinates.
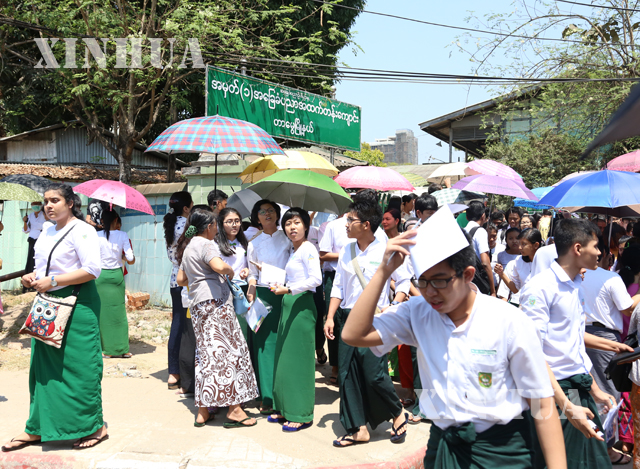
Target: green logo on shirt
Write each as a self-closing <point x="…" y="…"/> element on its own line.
<point x="485" y="380"/>
<point x="532" y="301"/>
<point x="476" y="351"/>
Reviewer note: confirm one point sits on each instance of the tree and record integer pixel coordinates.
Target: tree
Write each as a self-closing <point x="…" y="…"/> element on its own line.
<point x="373" y="157"/>
<point x="549" y="42"/>
<point x="134" y="103"/>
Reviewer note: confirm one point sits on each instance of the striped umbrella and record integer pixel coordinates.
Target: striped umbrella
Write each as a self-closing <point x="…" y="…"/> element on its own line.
<point x="215" y="134"/>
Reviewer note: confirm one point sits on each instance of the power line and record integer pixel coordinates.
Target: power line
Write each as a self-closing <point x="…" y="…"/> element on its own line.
<point x="461" y="28"/>
<point x="598" y="6"/>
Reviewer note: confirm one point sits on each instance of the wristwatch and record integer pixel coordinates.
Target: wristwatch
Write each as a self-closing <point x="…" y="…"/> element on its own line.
<point x="394" y="302"/>
<point x="53" y="281"/>
<point x="289" y="291"/>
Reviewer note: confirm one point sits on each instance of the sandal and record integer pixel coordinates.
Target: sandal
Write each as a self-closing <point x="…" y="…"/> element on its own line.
<point x="333" y="380"/>
<point x="272" y="419"/>
<point x="124" y="355"/>
<point x="266" y="411"/>
<point x="237" y="424"/>
<point x="175" y="385"/>
<point x="202" y="424"/>
<point x="337" y="443"/>
<point x="288" y="428"/>
<point x="24" y="444"/>
<point x="407" y="402"/>
<point x="399" y="438"/>
<point x="621" y="460"/>
<point x="322" y="359"/>
<point x="99" y="440"/>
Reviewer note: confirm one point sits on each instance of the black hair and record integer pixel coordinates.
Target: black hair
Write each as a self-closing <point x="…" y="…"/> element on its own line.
<point x="516" y="210"/>
<point x="216" y="196"/>
<point x="256" y="208"/>
<point x="178" y="201"/>
<point x="409" y="223"/>
<point x="200" y="219"/>
<point x="395" y="202"/>
<point x="77" y="202"/>
<point x="426" y="202"/>
<point x="302" y="214"/>
<point x="546" y="213"/>
<point x="613" y="232"/>
<point x="68" y="195"/>
<point x="533" y="236"/>
<point x="497" y="215"/>
<point x="636" y="230"/>
<point x="603" y="247"/>
<point x="406" y="198"/>
<point x="491" y="227"/>
<point x="512" y="230"/>
<point x="475" y="210"/>
<point x="368" y="211"/>
<point x="202" y="207"/>
<point x="365" y="194"/>
<point x="221" y="237"/>
<point x="574" y="230"/>
<point x="108" y="216"/>
<point x="395" y="213"/>
<point x="433" y="188"/>
<point x="629" y="264"/>
<point x="464" y="258"/>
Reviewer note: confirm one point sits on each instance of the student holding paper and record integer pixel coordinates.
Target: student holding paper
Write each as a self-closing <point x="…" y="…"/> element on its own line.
<point x="270" y="248"/>
<point x="367" y="395"/>
<point x="294" y="380"/>
<point x="479" y="358"/>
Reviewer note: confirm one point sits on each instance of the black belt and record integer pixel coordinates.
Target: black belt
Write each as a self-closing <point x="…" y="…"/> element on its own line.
<point x="599" y="324"/>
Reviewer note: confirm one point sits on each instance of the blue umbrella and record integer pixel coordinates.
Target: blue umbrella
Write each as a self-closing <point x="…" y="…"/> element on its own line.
<point x="606" y="189"/>
<point x="539" y="192"/>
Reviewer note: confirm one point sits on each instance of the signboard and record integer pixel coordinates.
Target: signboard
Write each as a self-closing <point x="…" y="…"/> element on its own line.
<point x="282" y="111"/>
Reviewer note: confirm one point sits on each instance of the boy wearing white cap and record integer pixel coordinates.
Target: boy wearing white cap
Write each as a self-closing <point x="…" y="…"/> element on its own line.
<point x="480" y="359"/>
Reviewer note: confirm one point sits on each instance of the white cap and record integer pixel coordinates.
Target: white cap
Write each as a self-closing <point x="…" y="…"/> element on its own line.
<point x="438" y="238"/>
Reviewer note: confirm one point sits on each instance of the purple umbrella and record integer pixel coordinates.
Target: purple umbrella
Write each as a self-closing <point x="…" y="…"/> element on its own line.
<point x="495" y="185"/>
<point x="491" y="168"/>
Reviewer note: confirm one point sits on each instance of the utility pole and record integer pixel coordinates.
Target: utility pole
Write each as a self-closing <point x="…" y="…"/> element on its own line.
<point x="450" y="144"/>
<point x="171" y="158"/>
<point x="332" y="151"/>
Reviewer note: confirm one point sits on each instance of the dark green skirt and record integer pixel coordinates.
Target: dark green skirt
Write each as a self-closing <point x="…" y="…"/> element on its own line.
<point x="263" y="344"/>
<point x="65" y="384"/>
<point x="367" y="394"/>
<point x="294" y="384"/>
<point x="501" y="446"/>
<point x="114" y="327"/>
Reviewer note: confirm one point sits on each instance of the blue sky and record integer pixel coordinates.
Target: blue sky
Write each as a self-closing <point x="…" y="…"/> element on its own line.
<point x="393" y="44"/>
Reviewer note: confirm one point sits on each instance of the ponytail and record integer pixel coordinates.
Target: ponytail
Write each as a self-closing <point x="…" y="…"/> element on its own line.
<point x="199" y="220"/>
<point x="177" y="203"/>
<point x="629" y="264"/>
<point x="108" y="216"/>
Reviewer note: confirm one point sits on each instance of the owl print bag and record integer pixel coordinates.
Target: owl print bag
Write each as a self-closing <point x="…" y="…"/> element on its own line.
<point x="48" y="317"/>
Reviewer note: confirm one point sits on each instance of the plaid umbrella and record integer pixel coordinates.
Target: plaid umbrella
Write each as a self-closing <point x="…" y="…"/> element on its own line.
<point x="456" y="196"/>
<point x="215" y="134"/>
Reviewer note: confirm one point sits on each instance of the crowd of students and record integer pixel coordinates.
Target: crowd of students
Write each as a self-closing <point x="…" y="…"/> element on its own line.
<point x="493" y="371"/>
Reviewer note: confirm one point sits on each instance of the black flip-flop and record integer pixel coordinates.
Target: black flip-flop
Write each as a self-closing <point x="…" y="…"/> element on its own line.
<point x="24" y="444"/>
<point x="322" y="359"/>
<point x="238" y="424"/>
<point x="89" y="438"/>
<point x="619" y="462"/>
<point x="173" y="386"/>
<point x="399" y="438"/>
<point x="333" y="380"/>
<point x="348" y="439"/>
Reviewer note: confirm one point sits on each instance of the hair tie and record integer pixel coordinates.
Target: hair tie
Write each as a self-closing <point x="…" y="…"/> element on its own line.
<point x="191" y="232"/>
<point x="627" y="267"/>
<point x="170" y="210"/>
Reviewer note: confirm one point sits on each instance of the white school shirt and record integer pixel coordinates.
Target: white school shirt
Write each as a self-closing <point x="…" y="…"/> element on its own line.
<point x="334" y="239"/>
<point x="271" y="249"/>
<point x="543" y="259"/>
<point x="519" y="272"/>
<point x="346" y="285"/>
<point x="303" y="269"/>
<point x="503" y="259"/>
<point x="480" y="238"/>
<point x="555" y="303"/>
<point x="34" y="224"/>
<point x="605" y="296"/>
<point x="314" y="237"/>
<point x="237" y="261"/>
<point x="173" y="250"/>
<point x="111" y="249"/>
<point x="76" y="251"/>
<point x="481" y="371"/>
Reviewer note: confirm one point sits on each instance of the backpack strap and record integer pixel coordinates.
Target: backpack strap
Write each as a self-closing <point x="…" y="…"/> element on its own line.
<point x="358" y="270"/>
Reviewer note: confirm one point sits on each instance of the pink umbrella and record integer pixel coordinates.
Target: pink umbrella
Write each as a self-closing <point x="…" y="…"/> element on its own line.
<point x="116" y="193"/>
<point x="373" y="177"/>
<point x="495" y="185"/>
<point x="491" y="168"/>
<point x="627" y="162"/>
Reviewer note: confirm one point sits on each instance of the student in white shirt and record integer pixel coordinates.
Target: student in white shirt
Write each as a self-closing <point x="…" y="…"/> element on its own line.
<point x="481" y="363"/>
<point x="334" y="239"/>
<point x="476" y="217"/>
<point x="426" y="205"/>
<point x="510" y="253"/>
<point x="65" y="383"/>
<point x="294" y="375"/>
<point x="33" y="227"/>
<point x="518" y="271"/>
<point x="114" y="327"/>
<point x="555" y="302"/>
<point x="271" y="247"/>
<point x="367" y="395"/>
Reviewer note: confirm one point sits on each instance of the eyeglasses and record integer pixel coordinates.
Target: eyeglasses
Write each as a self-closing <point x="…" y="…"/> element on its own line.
<point x="268" y="211"/>
<point x="351" y="221"/>
<point x="438" y="283"/>
<point x="232" y="222"/>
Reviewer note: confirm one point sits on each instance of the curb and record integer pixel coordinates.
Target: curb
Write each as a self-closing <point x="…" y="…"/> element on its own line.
<point x="29" y="461"/>
<point x="412" y="461"/>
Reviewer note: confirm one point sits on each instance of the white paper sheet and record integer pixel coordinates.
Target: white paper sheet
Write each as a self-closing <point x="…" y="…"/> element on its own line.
<point x="256" y="314"/>
<point x="271" y="274"/>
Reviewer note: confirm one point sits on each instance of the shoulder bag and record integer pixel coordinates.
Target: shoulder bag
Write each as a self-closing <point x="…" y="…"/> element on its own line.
<point x="480" y="279"/>
<point x="240" y="302"/>
<point x="48" y="317"/>
<point x="618" y="372"/>
<point x="359" y="274"/>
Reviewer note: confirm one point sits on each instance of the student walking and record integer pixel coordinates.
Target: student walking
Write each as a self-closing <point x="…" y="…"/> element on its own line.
<point x="33" y="227"/>
<point x="224" y="374"/>
<point x="294" y="375"/>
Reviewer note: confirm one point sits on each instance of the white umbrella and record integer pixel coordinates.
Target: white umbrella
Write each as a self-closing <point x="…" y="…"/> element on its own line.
<point x="449" y="170"/>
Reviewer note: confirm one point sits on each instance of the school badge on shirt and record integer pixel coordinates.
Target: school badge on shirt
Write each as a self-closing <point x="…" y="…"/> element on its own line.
<point x="485" y="379"/>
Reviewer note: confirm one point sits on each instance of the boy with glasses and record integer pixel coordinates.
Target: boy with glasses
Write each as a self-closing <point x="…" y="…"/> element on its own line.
<point x="481" y="362"/>
<point x="367" y="394"/>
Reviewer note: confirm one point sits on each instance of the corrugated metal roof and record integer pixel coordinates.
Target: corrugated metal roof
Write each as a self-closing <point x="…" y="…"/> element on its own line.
<point x="161" y="188"/>
<point x="339" y="159"/>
